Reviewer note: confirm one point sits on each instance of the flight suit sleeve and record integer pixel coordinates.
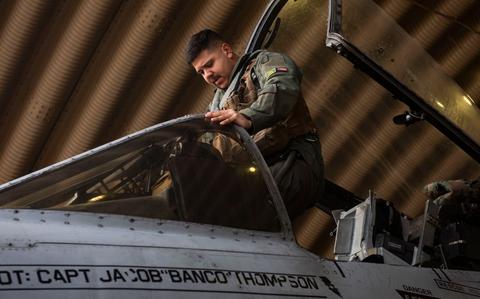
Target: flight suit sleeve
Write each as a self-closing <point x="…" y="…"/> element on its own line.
<point x="279" y="80"/>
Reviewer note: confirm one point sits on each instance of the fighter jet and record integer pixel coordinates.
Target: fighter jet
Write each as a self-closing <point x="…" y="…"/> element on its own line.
<point x="164" y="213"/>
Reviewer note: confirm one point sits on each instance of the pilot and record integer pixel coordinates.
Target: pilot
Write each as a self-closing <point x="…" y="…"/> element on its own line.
<point x="260" y="92"/>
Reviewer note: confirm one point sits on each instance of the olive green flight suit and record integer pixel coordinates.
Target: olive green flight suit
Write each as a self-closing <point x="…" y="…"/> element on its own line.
<point x="272" y="102"/>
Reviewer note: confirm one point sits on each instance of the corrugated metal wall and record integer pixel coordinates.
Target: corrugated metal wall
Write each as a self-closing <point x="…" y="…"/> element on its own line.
<point x="76" y="74"/>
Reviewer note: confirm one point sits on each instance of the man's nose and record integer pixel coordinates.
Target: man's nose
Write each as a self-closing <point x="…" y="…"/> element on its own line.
<point x="208" y="75"/>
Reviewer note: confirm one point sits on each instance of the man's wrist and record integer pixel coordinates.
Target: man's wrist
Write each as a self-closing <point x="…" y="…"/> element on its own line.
<point x="249" y="123"/>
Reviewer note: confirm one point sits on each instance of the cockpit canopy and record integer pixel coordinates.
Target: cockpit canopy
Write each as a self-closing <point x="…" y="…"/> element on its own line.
<point x="185" y="170"/>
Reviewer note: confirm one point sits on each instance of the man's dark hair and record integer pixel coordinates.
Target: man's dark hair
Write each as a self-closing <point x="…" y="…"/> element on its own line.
<point x="200" y="41"/>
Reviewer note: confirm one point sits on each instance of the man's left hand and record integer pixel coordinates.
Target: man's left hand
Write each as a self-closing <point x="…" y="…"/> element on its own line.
<point x="228" y="116"/>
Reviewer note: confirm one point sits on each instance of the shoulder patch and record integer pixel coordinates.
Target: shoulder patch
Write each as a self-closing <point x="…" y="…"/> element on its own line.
<point x="270" y="72"/>
<point x="274" y="70"/>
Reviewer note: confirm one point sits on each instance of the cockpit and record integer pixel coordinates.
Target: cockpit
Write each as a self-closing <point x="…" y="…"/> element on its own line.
<point x="195" y="174"/>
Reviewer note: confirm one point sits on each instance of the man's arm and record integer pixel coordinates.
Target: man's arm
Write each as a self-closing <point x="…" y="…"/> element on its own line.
<point x="279" y="91"/>
<point x="279" y="80"/>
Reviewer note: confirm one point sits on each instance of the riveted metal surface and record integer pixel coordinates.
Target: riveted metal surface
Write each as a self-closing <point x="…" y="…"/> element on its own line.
<point x="24" y="227"/>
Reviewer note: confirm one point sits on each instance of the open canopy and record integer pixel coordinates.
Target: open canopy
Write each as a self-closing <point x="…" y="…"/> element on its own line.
<point x="398" y="62"/>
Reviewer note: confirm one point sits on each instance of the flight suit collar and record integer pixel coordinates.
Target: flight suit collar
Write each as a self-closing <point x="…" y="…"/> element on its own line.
<point x="242" y="61"/>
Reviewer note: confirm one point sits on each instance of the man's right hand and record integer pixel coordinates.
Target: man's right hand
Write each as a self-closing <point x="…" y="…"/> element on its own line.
<point x="228" y="116"/>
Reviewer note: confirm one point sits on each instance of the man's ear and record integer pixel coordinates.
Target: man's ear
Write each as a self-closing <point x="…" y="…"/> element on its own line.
<point x="227" y="50"/>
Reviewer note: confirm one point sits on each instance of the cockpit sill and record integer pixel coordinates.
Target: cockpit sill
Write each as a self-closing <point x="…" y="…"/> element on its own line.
<point x="25" y="229"/>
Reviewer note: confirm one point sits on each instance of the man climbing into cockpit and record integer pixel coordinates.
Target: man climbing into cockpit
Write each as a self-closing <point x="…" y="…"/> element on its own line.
<point x="260" y="92"/>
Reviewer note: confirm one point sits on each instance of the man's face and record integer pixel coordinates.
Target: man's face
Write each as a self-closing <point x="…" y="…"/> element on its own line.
<point x="216" y="64"/>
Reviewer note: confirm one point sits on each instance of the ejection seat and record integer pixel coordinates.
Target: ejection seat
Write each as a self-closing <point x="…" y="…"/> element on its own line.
<point x="209" y="190"/>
